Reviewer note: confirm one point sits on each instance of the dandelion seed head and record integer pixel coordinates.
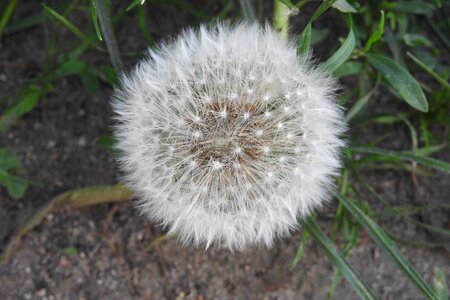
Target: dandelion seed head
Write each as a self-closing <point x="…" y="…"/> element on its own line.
<point x="221" y="136"/>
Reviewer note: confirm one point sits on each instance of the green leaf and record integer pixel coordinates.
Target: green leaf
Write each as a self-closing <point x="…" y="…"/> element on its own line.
<point x="415" y="39"/>
<point x="388" y="246"/>
<point x="288" y="3"/>
<point x="348" y="68"/>
<point x="110" y="76"/>
<point x="94" y="17"/>
<point x="301" y="249"/>
<point x="385" y="119"/>
<point x="140" y="16"/>
<point x="432" y="228"/>
<point x="107" y="142"/>
<point x="71" y="251"/>
<point x="135" y="3"/>
<point x="338" y="259"/>
<point x="427" y="69"/>
<point x="304" y="40"/>
<point x="405" y="155"/>
<point x="377" y="34"/>
<point x="15" y="185"/>
<point x="70" y="67"/>
<point x="321" y="9"/>
<point x="25" y="22"/>
<point x="414" y="7"/>
<point x="428" y="150"/>
<point x="90" y="82"/>
<point x="69" y="25"/>
<point x="342" y="54"/>
<point x="7" y="14"/>
<point x="400" y="79"/>
<point x="440" y="284"/>
<point x="344" y="6"/>
<point x="359" y="104"/>
<point x="9" y="160"/>
<point x="27" y="102"/>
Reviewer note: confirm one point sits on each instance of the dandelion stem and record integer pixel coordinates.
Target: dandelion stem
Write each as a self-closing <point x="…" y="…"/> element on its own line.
<point x="104" y="18"/>
<point x="281" y="18"/>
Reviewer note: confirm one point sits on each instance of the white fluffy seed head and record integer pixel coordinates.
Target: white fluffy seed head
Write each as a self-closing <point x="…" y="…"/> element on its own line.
<point x="228" y="137"/>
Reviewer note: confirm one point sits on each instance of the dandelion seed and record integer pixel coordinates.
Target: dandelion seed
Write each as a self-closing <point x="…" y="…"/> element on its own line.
<point x="259" y="133"/>
<point x="221" y="142"/>
<point x="217" y="165"/>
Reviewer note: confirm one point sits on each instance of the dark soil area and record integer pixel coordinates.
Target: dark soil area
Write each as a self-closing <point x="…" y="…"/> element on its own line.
<point x="116" y="254"/>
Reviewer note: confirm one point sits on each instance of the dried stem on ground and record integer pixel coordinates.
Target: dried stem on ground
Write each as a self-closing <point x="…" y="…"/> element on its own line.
<point x="74" y="199"/>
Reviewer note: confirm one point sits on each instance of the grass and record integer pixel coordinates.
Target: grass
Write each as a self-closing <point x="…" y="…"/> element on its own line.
<point x="393" y="54"/>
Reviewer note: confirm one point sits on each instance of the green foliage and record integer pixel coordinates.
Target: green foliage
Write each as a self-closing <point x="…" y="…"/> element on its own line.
<point x="395" y="51"/>
<point x="70" y="251"/>
<point x="388" y="246"/>
<point x="400" y="79"/>
<point x="4" y="17"/>
<point x="10" y="167"/>
<point x="342" y="54"/>
<point x="440" y="284"/>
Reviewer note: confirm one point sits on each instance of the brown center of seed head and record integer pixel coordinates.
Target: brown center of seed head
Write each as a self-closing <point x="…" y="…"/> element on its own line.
<point x="231" y="134"/>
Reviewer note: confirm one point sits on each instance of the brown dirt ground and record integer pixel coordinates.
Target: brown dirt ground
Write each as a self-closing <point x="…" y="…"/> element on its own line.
<point x="58" y="144"/>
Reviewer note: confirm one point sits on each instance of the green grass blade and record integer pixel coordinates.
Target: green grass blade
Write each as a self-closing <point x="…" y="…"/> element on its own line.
<point x="344" y="6"/>
<point x="349" y="68"/>
<point x="342" y="54"/>
<point x="7" y="14"/>
<point x="94" y="16"/>
<point x="140" y="16"/>
<point x="135" y="3"/>
<point x="435" y="229"/>
<point x="427" y="69"/>
<point x="359" y="104"/>
<point x="405" y="155"/>
<point x="428" y="150"/>
<point x="69" y="25"/>
<point x="377" y="34"/>
<point x="304" y="40"/>
<point x="301" y="249"/>
<point x="289" y="4"/>
<point x="337" y="259"/>
<point x="440" y="284"/>
<point x="401" y="80"/>
<point x="388" y="246"/>
<point x="321" y="9"/>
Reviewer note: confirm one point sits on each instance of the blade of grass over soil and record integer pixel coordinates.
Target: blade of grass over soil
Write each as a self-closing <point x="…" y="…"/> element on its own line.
<point x="404" y="155"/>
<point x="4" y="18"/>
<point x="388" y="246"/>
<point x="69" y="25"/>
<point x="337" y="259"/>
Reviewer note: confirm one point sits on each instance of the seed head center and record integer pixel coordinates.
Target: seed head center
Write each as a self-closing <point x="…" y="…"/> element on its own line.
<point x="231" y="133"/>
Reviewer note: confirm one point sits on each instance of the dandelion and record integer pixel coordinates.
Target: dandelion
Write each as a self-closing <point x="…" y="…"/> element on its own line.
<point x="227" y="136"/>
